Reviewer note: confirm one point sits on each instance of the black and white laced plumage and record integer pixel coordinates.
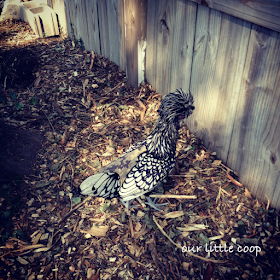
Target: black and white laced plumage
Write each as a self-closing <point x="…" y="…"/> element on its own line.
<point x="147" y="162"/>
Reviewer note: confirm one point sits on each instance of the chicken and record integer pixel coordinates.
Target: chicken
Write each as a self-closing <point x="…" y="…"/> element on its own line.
<point x="147" y="162"/>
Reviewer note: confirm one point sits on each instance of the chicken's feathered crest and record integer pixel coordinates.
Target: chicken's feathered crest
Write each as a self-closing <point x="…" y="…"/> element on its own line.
<point x="176" y="104"/>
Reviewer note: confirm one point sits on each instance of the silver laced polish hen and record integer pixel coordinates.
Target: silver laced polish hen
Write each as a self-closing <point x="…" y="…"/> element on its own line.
<point x="147" y="162"/>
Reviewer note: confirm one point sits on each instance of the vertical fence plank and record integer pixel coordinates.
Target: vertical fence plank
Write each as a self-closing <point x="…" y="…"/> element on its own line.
<point x="254" y="150"/>
<point x="92" y="26"/>
<point x="103" y="28"/>
<point x="121" y="26"/>
<point x="131" y="25"/>
<point x="183" y="42"/>
<point x="70" y="11"/>
<point x="113" y="28"/>
<point x="266" y="183"/>
<point x="218" y="84"/>
<point x="207" y="34"/>
<point x="165" y="20"/>
<point x="151" y="50"/>
<point x="170" y="39"/>
<point x="230" y="62"/>
<point x="135" y="21"/>
<point x="82" y="24"/>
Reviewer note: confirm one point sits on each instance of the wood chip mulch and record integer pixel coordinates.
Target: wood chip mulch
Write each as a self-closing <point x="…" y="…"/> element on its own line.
<point x="211" y="227"/>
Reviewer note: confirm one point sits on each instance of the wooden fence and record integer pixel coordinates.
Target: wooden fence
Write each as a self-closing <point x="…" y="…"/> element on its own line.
<point x="232" y="67"/>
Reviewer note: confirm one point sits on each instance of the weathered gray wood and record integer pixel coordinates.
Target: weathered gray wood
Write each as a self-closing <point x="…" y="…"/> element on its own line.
<point x="170" y="39"/>
<point x="205" y="54"/>
<point x="114" y="42"/>
<point x="216" y="76"/>
<point x="151" y="50"/>
<point x="267" y="183"/>
<point x="165" y="21"/>
<point x="135" y="21"/>
<point x="131" y="42"/>
<point x="82" y="24"/>
<point x="262" y="12"/>
<point x="183" y="42"/>
<point x="93" y="28"/>
<point x="103" y="28"/>
<point x="255" y="145"/>
<point x="70" y="12"/>
<point x="121" y="26"/>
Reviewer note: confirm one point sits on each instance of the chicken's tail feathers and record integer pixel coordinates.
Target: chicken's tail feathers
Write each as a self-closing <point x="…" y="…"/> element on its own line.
<point x="101" y="184"/>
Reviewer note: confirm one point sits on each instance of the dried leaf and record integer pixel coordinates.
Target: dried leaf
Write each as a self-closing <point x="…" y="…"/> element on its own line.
<point x="37" y="238"/>
<point x="47" y="268"/>
<point x="140" y="214"/>
<point x="61" y="172"/>
<point x="45" y="249"/>
<point x="22" y="261"/>
<point x="137" y="226"/>
<point x="248" y="193"/>
<point x="163" y="223"/>
<point x="192" y="227"/>
<point x="96" y="231"/>
<point x="106" y="154"/>
<point x="63" y="139"/>
<point x="200" y="157"/>
<point x="142" y="114"/>
<point x="174" y="214"/>
<point x="135" y="250"/>
<point x="37" y="81"/>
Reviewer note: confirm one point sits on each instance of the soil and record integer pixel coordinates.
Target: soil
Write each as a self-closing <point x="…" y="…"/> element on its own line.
<point x="18" y="151"/>
<point x="18" y="67"/>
